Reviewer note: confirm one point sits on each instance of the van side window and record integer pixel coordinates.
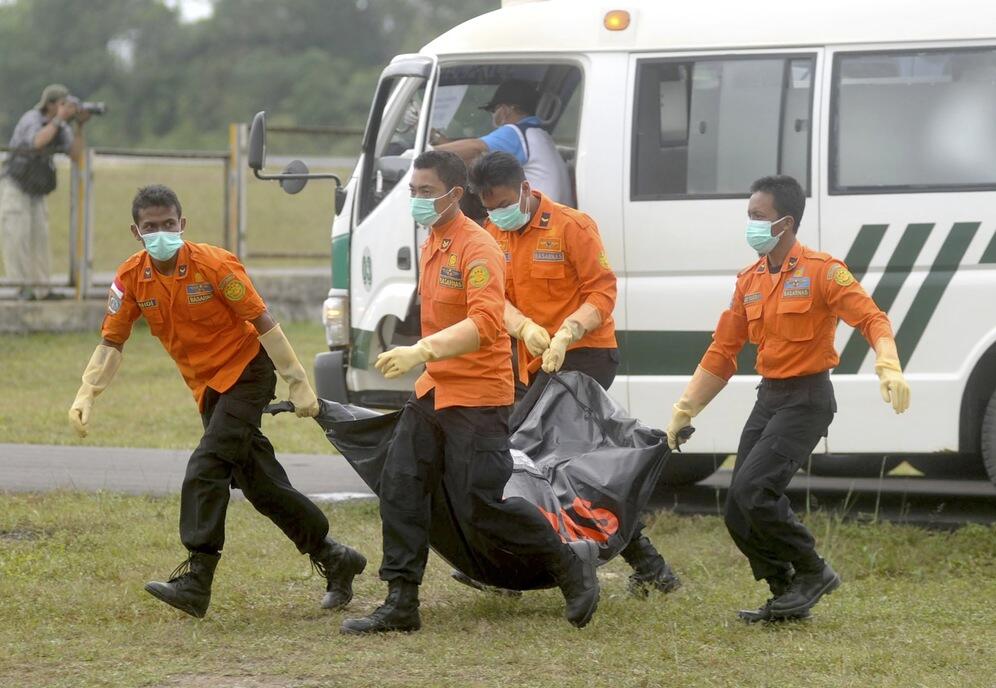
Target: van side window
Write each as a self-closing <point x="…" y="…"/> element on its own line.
<point x="709" y="127"/>
<point x="390" y="144"/>
<point x="923" y="120"/>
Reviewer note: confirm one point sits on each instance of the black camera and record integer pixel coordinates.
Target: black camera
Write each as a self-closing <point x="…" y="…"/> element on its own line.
<point x="94" y="108"/>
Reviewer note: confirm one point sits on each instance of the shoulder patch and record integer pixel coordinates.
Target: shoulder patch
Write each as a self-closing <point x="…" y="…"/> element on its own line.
<point x="114" y="296"/>
<point x="843" y="276"/>
<point x="603" y="260"/>
<point x="479" y="276"/>
<point x="232" y="288"/>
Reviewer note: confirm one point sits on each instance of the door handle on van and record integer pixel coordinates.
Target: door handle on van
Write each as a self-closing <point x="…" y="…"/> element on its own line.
<point x="404" y="258"/>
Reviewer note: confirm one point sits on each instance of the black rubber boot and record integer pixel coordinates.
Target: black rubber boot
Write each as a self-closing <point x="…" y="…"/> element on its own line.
<point x="805" y="591"/>
<point x="338" y="564"/>
<point x="189" y="586"/>
<point x="398" y="613"/>
<point x="578" y="582"/>
<point x="650" y="571"/>
<point x="778" y="585"/>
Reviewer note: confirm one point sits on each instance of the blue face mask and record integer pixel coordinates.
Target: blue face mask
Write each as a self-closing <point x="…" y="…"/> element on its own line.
<point x="162" y="245"/>
<point x="511" y="217"/>
<point x="759" y="235"/>
<point x="424" y="209"/>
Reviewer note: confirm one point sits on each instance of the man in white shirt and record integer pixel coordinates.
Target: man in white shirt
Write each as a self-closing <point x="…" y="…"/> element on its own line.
<point x="520" y="132"/>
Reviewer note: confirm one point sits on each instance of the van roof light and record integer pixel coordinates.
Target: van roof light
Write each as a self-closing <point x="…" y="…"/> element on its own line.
<point x="616" y="20"/>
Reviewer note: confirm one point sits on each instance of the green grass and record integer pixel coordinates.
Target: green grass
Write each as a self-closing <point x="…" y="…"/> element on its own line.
<point x="916" y="609"/>
<point x="147" y="404"/>
<point x="275" y="221"/>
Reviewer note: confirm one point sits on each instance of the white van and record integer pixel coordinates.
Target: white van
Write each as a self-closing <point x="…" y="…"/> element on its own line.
<point x="885" y="111"/>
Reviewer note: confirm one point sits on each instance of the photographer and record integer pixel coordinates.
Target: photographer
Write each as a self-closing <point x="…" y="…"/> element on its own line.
<point x="53" y="126"/>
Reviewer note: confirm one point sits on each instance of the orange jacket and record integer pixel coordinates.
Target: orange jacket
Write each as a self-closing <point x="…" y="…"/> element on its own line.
<point x="199" y="313"/>
<point x="792" y="316"/>
<point x="553" y="266"/>
<point x="462" y="276"/>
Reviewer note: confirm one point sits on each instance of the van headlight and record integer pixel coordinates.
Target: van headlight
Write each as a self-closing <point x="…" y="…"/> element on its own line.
<point x="335" y="317"/>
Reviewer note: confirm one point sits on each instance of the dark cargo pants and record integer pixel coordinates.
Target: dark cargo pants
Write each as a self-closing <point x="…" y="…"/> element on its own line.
<point x="234" y="450"/>
<point x="465" y="449"/>
<point x="788" y="420"/>
<point x="599" y="364"/>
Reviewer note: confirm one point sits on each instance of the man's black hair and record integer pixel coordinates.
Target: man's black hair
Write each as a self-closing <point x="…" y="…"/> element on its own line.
<point x="155" y="196"/>
<point x="449" y="167"/>
<point x="496" y="169"/>
<point x="786" y="193"/>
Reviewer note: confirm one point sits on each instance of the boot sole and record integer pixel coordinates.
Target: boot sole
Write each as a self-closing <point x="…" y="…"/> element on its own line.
<point x="374" y="631"/>
<point x="358" y="567"/>
<point x="196" y="613"/>
<point x="831" y="585"/>
<point x="750" y="616"/>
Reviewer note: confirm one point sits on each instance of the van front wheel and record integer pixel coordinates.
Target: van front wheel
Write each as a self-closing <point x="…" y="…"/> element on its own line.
<point x="989" y="438"/>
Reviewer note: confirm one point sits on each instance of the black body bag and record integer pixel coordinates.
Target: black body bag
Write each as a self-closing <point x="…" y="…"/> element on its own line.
<point x="579" y="458"/>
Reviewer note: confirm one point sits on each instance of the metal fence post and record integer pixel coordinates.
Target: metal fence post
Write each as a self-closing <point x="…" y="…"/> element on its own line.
<point x="235" y="190"/>
<point x="83" y="223"/>
<point x="87" y="276"/>
<point x="74" y="226"/>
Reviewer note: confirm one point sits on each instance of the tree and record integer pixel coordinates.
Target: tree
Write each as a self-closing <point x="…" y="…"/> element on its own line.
<point x="171" y="84"/>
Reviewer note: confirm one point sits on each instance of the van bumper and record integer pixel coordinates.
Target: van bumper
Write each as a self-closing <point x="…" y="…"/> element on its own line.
<point x="330" y="375"/>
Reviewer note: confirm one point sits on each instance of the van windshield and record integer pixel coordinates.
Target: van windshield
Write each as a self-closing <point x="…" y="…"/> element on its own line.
<point x="464" y="91"/>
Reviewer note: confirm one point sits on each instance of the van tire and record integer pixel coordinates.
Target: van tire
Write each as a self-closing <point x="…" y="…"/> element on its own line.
<point x="688" y="469"/>
<point x="988" y="438"/>
<point x="849" y="465"/>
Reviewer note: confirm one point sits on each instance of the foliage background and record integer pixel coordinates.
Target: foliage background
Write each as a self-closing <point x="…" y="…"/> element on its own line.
<point x="175" y="84"/>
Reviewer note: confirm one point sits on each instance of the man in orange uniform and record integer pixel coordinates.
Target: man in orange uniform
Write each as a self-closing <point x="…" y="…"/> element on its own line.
<point x="199" y="302"/>
<point x="558" y="282"/>
<point x="788" y="304"/>
<point x="454" y="428"/>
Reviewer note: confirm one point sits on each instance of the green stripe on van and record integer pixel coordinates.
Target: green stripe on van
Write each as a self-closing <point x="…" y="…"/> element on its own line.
<point x="989" y="255"/>
<point x="865" y="244"/>
<point x="359" y="349"/>
<point x="896" y="271"/>
<point x="675" y="352"/>
<point x="930" y="293"/>
<point x="340" y="261"/>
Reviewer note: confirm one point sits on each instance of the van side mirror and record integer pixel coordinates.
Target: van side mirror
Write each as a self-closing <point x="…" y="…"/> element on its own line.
<point x="294" y="177"/>
<point x="257" y="142"/>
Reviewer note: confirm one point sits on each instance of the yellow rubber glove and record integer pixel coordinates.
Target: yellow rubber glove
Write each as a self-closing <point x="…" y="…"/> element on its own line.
<point x="553" y="357"/>
<point x="399" y="360"/>
<point x="575" y="327"/>
<point x="290" y="369"/>
<point x="455" y="340"/>
<point x="536" y="338"/>
<point x="892" y="384"/>
<point x="99" y="372"/>
<point x="701" y="389"/>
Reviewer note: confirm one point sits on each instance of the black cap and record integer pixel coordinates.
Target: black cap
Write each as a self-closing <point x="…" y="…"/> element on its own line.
<point x="516" y="92"/>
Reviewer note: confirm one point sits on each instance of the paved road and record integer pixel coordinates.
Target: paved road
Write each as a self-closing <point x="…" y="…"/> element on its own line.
<point x="39" y="467"/>
<point x="32" y="467"/>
